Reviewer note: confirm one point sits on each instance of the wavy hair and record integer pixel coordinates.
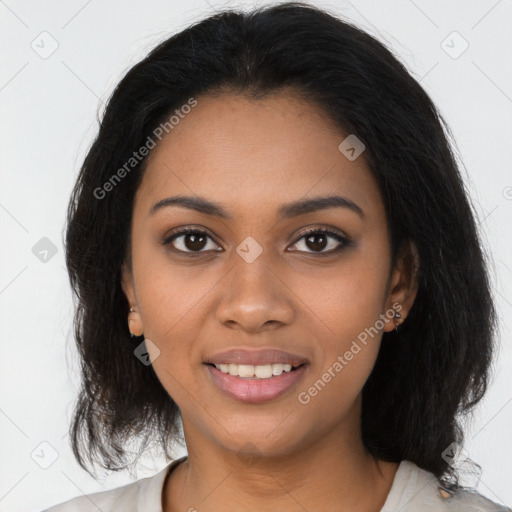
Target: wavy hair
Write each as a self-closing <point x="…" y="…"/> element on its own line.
<point x="430" y="373"/>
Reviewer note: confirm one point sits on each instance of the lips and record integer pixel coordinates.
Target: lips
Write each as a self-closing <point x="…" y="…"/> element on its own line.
<point x="253" y="390"/>
<point x="259" y="357"/>
<point x="256" y="376"/>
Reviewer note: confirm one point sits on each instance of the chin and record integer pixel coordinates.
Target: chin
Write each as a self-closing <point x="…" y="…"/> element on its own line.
<point x="263" y="439"/>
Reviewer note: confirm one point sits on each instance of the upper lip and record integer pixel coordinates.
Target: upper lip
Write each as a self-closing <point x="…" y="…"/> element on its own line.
<point x="256" y="357"/>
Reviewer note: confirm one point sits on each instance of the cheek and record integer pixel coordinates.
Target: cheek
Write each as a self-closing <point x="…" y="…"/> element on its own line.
<point x="346" y="353"/>
<point x="345" y="299"/>
<point x="170" y="292"/>
<point x="176" y="308"/>
<point x="347" y="303"/>
<point x="170" y="310"/>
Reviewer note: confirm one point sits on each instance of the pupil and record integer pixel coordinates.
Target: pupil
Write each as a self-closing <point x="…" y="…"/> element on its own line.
<point x="317" y="246"/>
<point x="194" y="239"/>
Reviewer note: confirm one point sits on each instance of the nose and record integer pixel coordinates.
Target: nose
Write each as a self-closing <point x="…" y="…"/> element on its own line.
<point x="254" y="297"/>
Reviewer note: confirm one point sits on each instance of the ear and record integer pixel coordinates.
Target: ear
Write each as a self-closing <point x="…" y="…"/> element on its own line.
<point x="134" y="319"/>
<point x="403" y="284"/>
<point x="127" y="284"/>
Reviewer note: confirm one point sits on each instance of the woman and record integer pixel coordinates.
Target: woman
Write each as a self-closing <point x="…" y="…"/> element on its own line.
<point x="271" y="209"/>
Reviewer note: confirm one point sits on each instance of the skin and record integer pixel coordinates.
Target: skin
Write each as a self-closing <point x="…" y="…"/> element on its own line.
<point x="251" y="157"/>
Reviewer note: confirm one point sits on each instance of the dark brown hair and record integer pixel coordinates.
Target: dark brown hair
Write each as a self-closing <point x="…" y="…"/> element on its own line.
<point x="429" y="373"/>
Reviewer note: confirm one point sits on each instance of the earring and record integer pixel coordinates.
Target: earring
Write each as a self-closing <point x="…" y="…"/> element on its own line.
<point x="397" y="322"/>
<point x="134" y="324"/>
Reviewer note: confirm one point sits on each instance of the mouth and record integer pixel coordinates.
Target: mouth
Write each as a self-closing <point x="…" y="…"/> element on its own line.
<point x="255" y="384"/>
<point x="260" y="371"/>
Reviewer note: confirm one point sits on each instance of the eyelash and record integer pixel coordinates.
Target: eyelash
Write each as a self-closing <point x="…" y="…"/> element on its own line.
<point x="346" y="242"/>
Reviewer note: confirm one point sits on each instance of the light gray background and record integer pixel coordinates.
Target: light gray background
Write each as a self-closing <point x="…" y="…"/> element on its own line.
<point x="49" y="108"/>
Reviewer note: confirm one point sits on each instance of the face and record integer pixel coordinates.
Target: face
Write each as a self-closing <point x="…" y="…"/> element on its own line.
<point x="314" y="282"/>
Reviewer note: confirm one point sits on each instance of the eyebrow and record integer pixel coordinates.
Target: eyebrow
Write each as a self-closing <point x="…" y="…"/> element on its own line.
<point x="288" y="210"/>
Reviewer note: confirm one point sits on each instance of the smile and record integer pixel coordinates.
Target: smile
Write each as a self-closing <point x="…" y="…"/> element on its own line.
<point x="255" y="384"/>
<point x="260" y="371"/>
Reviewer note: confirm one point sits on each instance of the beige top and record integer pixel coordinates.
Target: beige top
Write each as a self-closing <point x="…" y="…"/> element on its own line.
<point x="413" y="490"/>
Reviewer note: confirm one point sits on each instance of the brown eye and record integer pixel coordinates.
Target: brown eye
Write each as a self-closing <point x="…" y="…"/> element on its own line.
<point x="189" y="241"/>
<point x="317" y="240"/>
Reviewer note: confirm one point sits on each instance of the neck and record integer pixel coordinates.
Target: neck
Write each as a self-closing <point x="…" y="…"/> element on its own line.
<point x="334" y="473"/>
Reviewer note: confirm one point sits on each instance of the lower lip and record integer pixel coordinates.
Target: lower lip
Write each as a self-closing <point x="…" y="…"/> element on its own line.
<point x="256" y="391"/>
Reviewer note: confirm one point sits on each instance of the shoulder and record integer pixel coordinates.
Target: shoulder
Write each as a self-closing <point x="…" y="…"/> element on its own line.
<point x="142" y="495"/>
<point x="419" y="491"/>
<point x="469" y="500"/>
<point x="120" y="498"/>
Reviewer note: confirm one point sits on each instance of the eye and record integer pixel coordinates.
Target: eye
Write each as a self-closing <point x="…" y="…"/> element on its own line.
<point x="318" y="240"/>
<point x="189" y="240"/>
<point x="194" y="240"/>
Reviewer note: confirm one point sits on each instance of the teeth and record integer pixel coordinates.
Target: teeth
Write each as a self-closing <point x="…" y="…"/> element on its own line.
<point x="263" y="371"/>
<point x="260" y="371"/>
<point x="246" y="370"/>
<point x="277" y="369"/>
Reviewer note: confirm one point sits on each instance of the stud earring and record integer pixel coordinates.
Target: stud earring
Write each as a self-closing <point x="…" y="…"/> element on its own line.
<point x="134" y="323"/>
<point x="397" y="322"/>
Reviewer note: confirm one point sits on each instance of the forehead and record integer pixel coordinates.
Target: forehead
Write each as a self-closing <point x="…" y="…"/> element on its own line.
<point x="250" y="153"/>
